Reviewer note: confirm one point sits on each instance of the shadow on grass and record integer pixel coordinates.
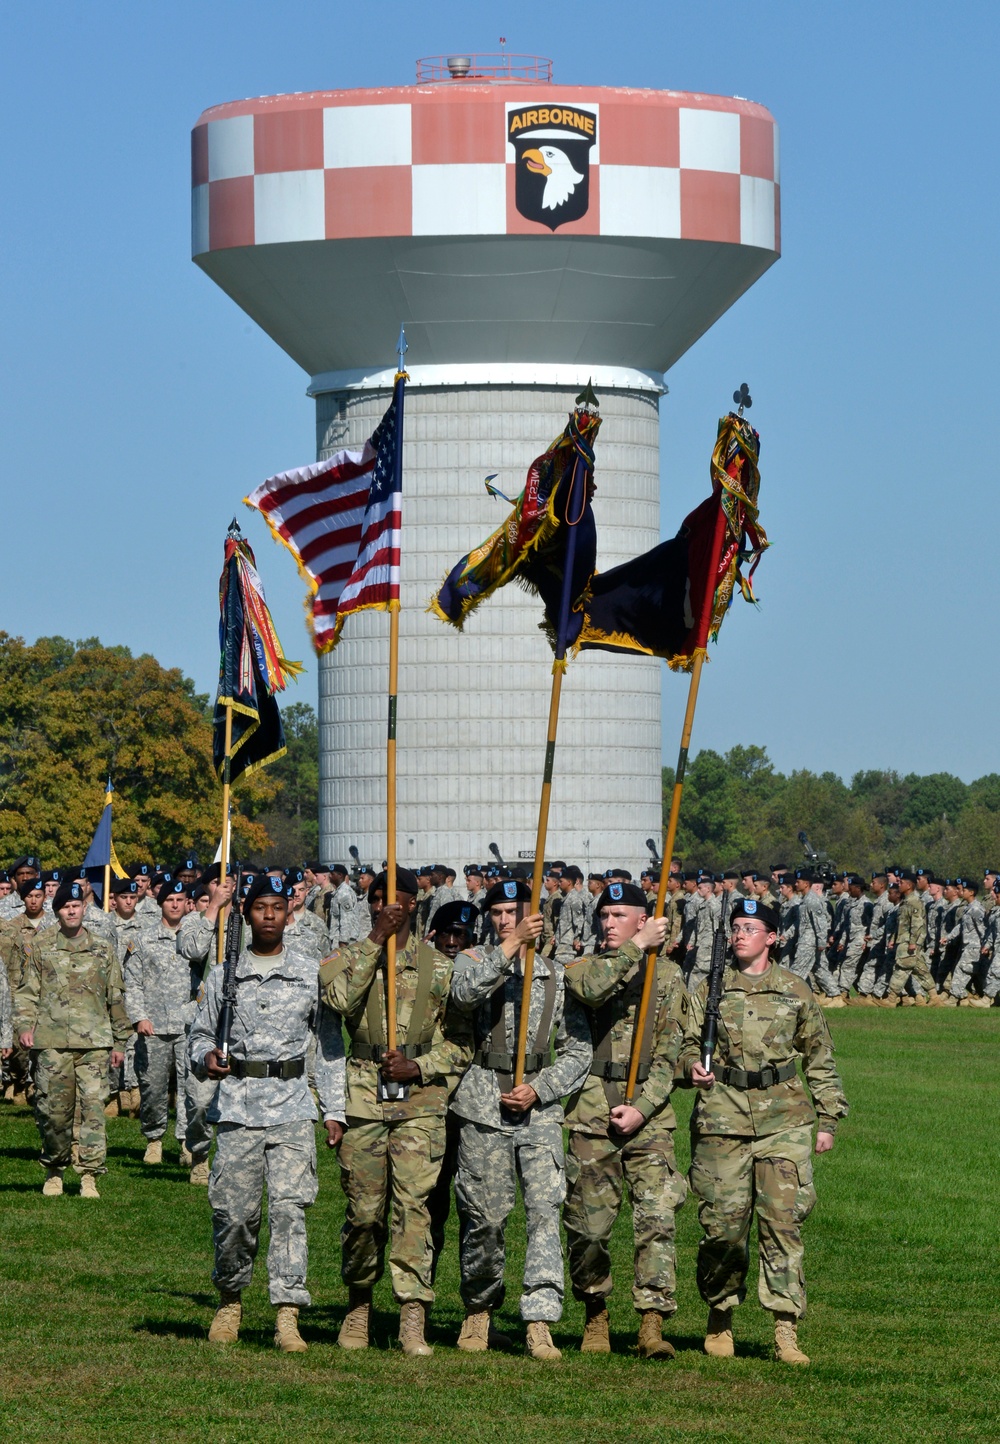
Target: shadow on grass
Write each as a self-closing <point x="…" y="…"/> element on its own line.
<point x="29" y="1153"/>
<point x="170" y="1329"/>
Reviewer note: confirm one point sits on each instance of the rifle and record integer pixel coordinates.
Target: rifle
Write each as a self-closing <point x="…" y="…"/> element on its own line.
<point x="231" y="956"/>
<point x="716" y="972"/>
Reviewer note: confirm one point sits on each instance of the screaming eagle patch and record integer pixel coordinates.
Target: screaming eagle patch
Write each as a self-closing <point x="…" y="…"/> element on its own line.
<point x="552" y="145"/>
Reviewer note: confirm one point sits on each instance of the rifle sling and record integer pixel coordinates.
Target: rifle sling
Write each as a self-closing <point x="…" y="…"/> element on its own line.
<point x="376" y="1010"/>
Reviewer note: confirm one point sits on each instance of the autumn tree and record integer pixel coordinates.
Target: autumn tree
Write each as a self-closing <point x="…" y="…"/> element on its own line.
<point x="73" y="714"/>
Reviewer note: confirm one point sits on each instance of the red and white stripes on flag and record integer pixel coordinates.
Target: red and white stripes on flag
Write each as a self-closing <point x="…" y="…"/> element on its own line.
<point x="340" y="519"/>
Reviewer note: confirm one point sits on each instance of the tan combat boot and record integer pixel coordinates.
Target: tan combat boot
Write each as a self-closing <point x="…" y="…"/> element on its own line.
<point x="88" y="1186"/>
<point x="225" y="1327"/>
<point x="134" y="1098"/>
<point x="199" y="1174"/>
<point x="652" y="1344"/>
<point x="112" y="1108"/>
<point x="185" y="1159"/>
<point x="835" y="1002"/>
<point x="719" y="1334"/>
<point x="20" y="1100"/>
<point x="411" y="1330"/>
<point x="596" y="1338"/>
<point x="540" y="1345"/>
<point x="354" y="1330"/>
<point x="786" y="1343"/>
<point x="286" y="1331"/>
<point x="475" y="1334"/>
<point x="154" y="1151"/>
<point x="53" y="1185"/>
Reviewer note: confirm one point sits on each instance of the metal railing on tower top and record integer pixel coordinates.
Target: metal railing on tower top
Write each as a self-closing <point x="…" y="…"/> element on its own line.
<point x="435" y="68"/>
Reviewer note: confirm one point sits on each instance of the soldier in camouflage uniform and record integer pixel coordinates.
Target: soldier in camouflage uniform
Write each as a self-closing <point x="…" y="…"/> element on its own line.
<point x="571" y="923"/>
<point x="991" y="947"/>
<point x="855" y="914"/>
<point x="160" y="991"/>
<point x="809" y="962"/>
<point x="307" y="929"/>
<point x="613" y="1142"/>
<point x="342" y="908"/>
<point x="751" y="1131"/>
<point x="911" y="934"/>
<point x="971" y="935"/>
<point x="511" y="1131"/>
<point x="551" y="906"/>
<point x="397" y="1099"/>
<point x="935" y="911"/>
<point x="788" y="922"/>
<point x="129" y="927"/>
<point x="265" y="1114"/>
<point x="69" y="1012"/>
<point x="873" y="968"/>
<point x="17" y="934"/>
<point x="701" y="919"/>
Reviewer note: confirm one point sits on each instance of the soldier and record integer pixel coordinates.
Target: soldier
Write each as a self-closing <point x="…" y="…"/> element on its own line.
<point x="302" y="927"/>
<point x="22" y="870"/>
<point x="854" y="919"/>
<point x="971" y="935"/>
<point x="809" y="962"/>
<point x="444" y="891"/>
<point x="788" y="922"/>
<point x="911" y="934"/>
<point x="129" y="927"/>
<point x="951" y="945"/>
<point x="6" y="1017"/>
<point x="991" y="952"/>
<point x="320" y="888"/>
<point x="366" y="876"/>
<point x="510" y="1132"/>
<point x="701" y="920"/>
<point x="425" y="899"/>
<point x="141" y="873"/>
<point x="551" y="906"/>
<point x="69" y="1012"/>
<point x="936" y="908"/>
<point x="397" y="1099"/>
<point x="613" y="1142"/>
<point x="873" y="972"/>
<point x="728" y="898"/>
<point x="571" y="924"/>
<point x="752" y="1132"/>
<point x="342" y="908"/>
<point x="160" y="991"/>
<point x="265" y="1114"/>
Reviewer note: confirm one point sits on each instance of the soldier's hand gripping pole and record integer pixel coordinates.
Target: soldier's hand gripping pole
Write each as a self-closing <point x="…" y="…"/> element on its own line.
<point x="710" y="1026"/>
<point x="231" y="956"/>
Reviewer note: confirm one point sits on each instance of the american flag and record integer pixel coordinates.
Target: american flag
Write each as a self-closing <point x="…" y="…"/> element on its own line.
<point x="340" y="519"/>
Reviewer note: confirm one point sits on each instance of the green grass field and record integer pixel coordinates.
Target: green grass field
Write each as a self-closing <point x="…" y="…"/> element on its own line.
<point x="105" y="1306"/>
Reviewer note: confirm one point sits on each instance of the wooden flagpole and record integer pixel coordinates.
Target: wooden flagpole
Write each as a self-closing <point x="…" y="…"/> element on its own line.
<point x="390" y="741"/>
<point x="558" y="668"/>
<point x="701" y="643"/>
<point x="220" y="942"/>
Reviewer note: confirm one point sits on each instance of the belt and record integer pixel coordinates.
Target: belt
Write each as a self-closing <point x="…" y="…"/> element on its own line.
<point x="504" y="1062"/>
<point x="268" y="1068"/>
<point x="766" y="1078"/>
<point x="375" y="1052"/>
<point x="617" y="1072"/>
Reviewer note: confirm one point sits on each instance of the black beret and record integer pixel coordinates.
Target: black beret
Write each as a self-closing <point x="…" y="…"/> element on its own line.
<point x="122" y="885"/>
<point x="621" y="894"/>
<point x="199" y="890"/>
<point x="730" y="875"/>
<point x="187" y="864"/>
<point x="805" y="874"/>
<point x="29" y="886"/>
<point x="264" y="885"/>
<point x="140" y="869"/>
<point x="406" y="882"/>
<point x="513" y="890"/>
<point x="750" y="872"/>
<point x="339" y="869"/>
<point x="474" y="871"/>
<point x="68" y="891"/>
<point x="455" y="915"/>
<point x="907" y="876"/>
<point x="318" y="866"/>
<point x="573" y="873"/>
<point x="779" y="866"/>
<point x="750" y="907"/>
<point x="856" y="881"/>
<point x="169" y="888"/>
<point x="293" y="876"/>
<point x="970" y="885"/>
<point x="28" y="861"/>
<point x="988" y="870"/>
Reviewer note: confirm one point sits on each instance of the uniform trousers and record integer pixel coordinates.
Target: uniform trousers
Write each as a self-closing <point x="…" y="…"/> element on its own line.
<point x="911" y="966"/>
<point x="388" y="1172"/>
<point x="156" y="1056"/>
<point x="282" y="1156"/>
<point x="735" y="1178"/>
<point x="490" y="1163"/>
<point x="598" y="1168"/>
<point x="65" y="1078"/>
<point x="971" y="966"/>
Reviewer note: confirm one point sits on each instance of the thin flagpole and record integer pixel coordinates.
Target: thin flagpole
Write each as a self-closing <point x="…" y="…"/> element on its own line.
<point x="106" y="899"/>
<point x="558" y="668"/>
<point x="649" y="979"/>
<point x="220" y="942"/>
<point x="390" y="741"/>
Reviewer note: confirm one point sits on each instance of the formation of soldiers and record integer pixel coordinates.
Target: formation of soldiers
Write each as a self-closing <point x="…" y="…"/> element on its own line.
<point x="107" y="1004"/>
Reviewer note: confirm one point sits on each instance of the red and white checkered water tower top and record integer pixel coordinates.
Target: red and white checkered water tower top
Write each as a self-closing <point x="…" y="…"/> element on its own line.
<point x="507" y="222"/>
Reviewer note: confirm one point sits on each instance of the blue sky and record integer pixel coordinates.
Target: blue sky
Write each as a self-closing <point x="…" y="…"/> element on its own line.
<point x="138" y="404"/>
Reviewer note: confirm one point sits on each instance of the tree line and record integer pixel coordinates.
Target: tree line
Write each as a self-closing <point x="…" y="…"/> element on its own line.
<point x="738" y="809"/>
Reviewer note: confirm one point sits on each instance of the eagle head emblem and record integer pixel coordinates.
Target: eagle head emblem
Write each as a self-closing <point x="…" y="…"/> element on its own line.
<point x="550" y="147"/>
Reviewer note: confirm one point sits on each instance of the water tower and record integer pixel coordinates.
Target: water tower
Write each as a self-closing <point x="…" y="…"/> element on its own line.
<point x="529" y="236"/>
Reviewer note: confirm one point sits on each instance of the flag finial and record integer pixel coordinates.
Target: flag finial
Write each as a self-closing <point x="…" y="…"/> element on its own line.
<point x="234" y="529"/>
<point x="743" y="398"/>
<point x="401" y="348"/>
